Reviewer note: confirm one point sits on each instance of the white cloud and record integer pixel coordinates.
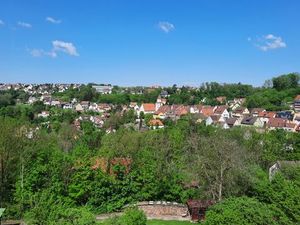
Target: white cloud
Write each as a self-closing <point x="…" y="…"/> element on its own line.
<point x="2" y="23"/>
<point x="41" y="52"/>
<point x="52" y="20"/>
<point x="166" y="26"/>
<point x="66" y="47"/>
<point x="58" y="46"/>
<point x="25" y="25"/>
<point x="269" y="42"/>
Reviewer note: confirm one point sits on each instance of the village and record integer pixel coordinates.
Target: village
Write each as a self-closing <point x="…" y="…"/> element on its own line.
<point x="226" y="114"/>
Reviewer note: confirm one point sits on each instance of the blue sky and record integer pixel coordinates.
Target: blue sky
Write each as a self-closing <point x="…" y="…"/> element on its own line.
<point x="147" y="42"/>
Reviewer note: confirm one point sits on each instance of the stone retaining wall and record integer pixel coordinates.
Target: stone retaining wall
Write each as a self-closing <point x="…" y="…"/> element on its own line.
<point x="164" y="210"/>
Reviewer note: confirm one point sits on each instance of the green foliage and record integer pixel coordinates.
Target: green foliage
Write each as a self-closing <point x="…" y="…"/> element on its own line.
<point x="133" y="216"/>
<point x="283" y="192"/>
<point x="242" y="210"/>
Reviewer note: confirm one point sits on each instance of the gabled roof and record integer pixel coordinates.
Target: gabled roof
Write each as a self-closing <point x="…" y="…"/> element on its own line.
<point x="220" y="109"/>
<point x="215" y="118"/>
<point x="149" y="107"/>
<point x="250" y="120"/>
<point x="239" y="110"/>
<point x="163" y="109"/>
<point x="231" y="121"/>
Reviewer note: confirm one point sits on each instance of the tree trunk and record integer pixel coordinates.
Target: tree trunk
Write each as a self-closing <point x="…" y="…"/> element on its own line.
<point x="220" y="184"/>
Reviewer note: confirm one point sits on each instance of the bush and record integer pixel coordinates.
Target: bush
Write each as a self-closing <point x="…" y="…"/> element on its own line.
<point x="242" y="210"/>
<point x="134" y="216"/>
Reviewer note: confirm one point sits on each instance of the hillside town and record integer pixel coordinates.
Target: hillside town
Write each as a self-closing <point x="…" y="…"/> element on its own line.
<point x="225" y="114"/>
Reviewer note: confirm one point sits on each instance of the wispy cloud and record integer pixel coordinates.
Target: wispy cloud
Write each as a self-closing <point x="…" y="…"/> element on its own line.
<point x="52" y="20"/>
<point x="41" y="52"/>
<point x="25" y="25"/>
<point x="268" y="42"/>
<point x="166" y="26"/>
<point x="66" y="47"/>
<point x="2" y="23"/>
<point x="57" y="46"/>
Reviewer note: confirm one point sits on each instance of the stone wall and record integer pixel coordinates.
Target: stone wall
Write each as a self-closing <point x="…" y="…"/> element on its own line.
<point x="164" y="210"/>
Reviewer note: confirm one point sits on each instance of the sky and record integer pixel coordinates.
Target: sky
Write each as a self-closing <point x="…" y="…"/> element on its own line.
<point x="148" y="42"/>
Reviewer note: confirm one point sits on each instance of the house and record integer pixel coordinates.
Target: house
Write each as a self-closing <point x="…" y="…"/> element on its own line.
<point x="213" y="119"/>
<point x="266" y="115"/>
<point x="104" y="107"/>
<point x="231" y="122"/>
<point x="56" y="103"/>
<point x="79" y="108"/>
<point x="156" y="124"/>
<point x="32" y="100"/>
<point x="147" y="108"/>
<point x="97" y="121"/>
<point x="252" y="121"/>
<point x="161" y="113"/>
<point x="180" y="110"/>
<point x="207" y="110"/>
<point x="240" y="111"/>
<point x="279" y="123"/>
<point x="217" y="120"/>
<point x="93" y="107"/>
<point x="256" y="111"/>
<point x="195" y="109"/>
<point x="164" y="94"/>
<point x="68" y="106"/>
<point x="297" y="103"/>
<point x="85" y="105"/>
<point x="222" y="111"/>
<point x="160" y="102"/>
<point x="288" y="115"/>
<point x="103" y="89"/>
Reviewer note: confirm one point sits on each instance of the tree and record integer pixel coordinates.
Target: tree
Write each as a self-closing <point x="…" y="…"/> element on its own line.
<point x="218" y="159"/>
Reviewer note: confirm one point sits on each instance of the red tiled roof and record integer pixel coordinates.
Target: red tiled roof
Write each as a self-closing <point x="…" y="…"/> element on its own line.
<point x="163" y="109"/>
<point x="149" y="107"/>
<point x="267" y="114"/>
<point x="207" y="110"/>
<point x="280" y="123"/>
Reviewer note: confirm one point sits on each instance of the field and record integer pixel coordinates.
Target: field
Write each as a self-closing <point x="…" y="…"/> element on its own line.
<point x="163" y="222"/>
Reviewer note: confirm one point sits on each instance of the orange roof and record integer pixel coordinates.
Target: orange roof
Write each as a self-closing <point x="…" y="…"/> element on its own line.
<point x="297" y="97"/>
<point x="155" y="122"/>
<point x="207" y="110"/>
<point x="149" y="107"/>
<point x="267" y="114"/>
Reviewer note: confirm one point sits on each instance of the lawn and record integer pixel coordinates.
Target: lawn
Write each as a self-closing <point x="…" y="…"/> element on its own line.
<point x="163" y="222"/>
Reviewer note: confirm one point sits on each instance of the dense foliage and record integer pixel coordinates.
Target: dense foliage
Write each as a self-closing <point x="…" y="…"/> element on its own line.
<point x="58" y="175"/>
